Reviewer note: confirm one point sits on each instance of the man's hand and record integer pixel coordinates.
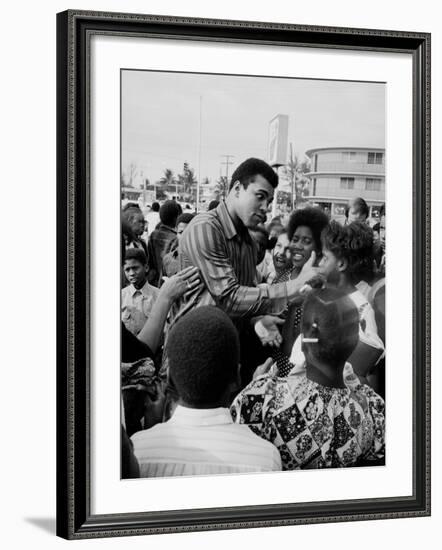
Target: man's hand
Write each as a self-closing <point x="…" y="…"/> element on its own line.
<point x="265" y="368"/>
<point x="310" y="277"/>
<point x="267" y="330"/>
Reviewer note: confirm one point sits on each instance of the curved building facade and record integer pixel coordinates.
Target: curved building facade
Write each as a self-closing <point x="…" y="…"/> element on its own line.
<point x="338" y="174"/>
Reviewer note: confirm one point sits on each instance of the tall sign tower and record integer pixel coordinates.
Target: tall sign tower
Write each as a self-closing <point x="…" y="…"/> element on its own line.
<point x="278" y="138"/>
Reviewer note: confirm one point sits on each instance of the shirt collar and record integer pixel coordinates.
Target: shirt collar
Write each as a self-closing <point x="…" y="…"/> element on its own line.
<point x="167" y="228"/>
<point x="226" y="221"/>
<point x="145" y="290"/>
<point x="201" y="417"/>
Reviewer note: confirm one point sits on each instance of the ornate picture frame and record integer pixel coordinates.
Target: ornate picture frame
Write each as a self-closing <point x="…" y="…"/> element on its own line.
<point x="75" y="30"/>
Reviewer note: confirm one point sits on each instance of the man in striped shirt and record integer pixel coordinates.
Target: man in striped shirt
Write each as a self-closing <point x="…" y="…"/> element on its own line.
<point x="219" y="244"/>
<point x="201" y="438"/>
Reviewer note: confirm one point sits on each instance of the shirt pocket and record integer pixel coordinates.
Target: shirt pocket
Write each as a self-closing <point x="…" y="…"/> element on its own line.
<point x="147" y="304"/>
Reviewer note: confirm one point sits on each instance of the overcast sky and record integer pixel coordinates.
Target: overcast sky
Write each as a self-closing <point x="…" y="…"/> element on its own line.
<point x="161" y="118"/>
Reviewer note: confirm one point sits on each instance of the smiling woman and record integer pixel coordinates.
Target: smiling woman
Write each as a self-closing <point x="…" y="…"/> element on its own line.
<point x="304" y="232"/>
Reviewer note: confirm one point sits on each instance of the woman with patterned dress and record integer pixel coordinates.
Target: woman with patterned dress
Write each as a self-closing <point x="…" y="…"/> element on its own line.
<point x="322" y="417"/>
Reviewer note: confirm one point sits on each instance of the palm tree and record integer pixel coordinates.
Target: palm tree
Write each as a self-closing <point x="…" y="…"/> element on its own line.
<point x="168" y="181"/>
<point x="187" y="179"/>
<point x="222" y="186"/>
<point x="295" y="171"/>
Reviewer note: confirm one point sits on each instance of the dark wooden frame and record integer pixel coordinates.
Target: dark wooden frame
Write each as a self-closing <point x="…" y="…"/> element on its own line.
<point x="74" y="29"/>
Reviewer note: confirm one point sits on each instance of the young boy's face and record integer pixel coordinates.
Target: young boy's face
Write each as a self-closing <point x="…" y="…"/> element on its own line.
<point x="135" y="272"/>
<point x="329" y="267"/>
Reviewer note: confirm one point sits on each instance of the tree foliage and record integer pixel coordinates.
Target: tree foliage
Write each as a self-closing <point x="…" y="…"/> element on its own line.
<point x="295" y="171"/>
<point x="187" y="181"/>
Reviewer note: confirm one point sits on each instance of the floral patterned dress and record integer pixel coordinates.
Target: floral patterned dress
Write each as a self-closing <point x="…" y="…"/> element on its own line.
<point x="314" y="426"/>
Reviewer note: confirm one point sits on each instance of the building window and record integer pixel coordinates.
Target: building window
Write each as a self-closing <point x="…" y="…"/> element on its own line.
<point x="373" y="184"/>
<point x="348" y="156"/>
<point x="347" y="183"/>
<point x="375" y="158"/>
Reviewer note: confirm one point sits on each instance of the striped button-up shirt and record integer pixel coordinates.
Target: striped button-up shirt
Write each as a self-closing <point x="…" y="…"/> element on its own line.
<point x="156" y="247"/>
<point x="202" y="442"/>
<point x="226" y="258"/>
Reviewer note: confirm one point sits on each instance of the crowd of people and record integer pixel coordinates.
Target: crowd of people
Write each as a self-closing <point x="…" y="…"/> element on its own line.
<point x="251" y="344"/>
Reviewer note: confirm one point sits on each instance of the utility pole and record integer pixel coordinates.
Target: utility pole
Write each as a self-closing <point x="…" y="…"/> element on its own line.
<point x="199" y="157"/>
<point x="227" y="163"/>
<point x="292" y="176"/>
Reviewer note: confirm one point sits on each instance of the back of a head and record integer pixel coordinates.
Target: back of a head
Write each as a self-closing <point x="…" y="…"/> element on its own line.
<point x="354" y="243"/>
<point x="203" y="352"/>
<point x="130" y="205"/>
<point x="130" y="214"/>
<point x="359" y="205"/>
<point x="360" y="241"/>
<point x="155" y="206"/>
<point x="169" y="213"/>
<point x="260" y="232"/>
<point x="330" y="316"/>
<point x="185" y="217"/>
<point x="247" y="170"/>
<point x="261" y="236"/>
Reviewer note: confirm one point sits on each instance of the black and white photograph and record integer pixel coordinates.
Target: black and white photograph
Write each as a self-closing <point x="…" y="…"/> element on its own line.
<point x="224" y="294"/>
<point x="253" y="261"/>
<point x="216" y="343"/>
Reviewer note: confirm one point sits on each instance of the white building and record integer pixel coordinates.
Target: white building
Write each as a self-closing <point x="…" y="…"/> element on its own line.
<point x="338" y="174"/>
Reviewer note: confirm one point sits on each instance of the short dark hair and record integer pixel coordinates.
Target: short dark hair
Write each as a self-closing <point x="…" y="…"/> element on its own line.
<point x="155" y="206"/>
<point x="332" y="317"/>
<point x="354" y="243"/>
<point x="262" y="247"/>
<point x="360" y="205"/>
<point x="247" y="170"/>
<point x="203" y="353"/>
<point x="261" y="230"/>
<point x="135" y="254"/>
<point x="129" y="205"/>
<point x="276" y="221"/>
<point x="382" y="211"/>
<point x="169" y="212"/>
<point x="127" y="236"/>
<point x="312" y="217"/>
<point x="185" y="217"/>
<point x="130" y="213"/>
<point x="213" y="204"/>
